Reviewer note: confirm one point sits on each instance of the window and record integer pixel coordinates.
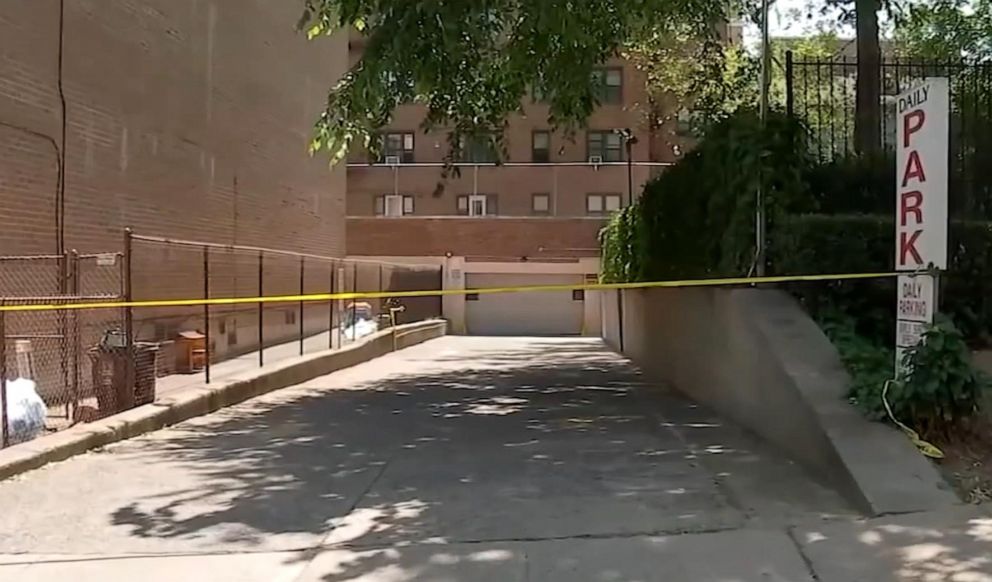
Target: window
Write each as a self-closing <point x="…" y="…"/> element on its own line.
<point x="393" y="205"/>
<point x="578" y="295"/>
<point x="478" y="149"/>
<point x="477" y="205"/>
<point x="540" y="147"/>
<point x="606" y="145"/>
<point x="540" y="204"/>
<point x="396" y="145"/>
<point x="608" y="85"/>
<point x="602" y="203"/>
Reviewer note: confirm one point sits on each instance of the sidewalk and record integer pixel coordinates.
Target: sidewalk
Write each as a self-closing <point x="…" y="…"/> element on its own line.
<point x="949" y="546"/>
<point x="249" y="361"/>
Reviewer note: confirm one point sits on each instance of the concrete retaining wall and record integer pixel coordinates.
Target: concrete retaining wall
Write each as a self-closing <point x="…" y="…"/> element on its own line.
<point x="199" y="400"/>
<point x="755" y="356"/>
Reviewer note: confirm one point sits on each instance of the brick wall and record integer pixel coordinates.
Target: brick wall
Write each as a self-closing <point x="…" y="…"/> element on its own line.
<point x="185" y="118"/>
<point x="496" y="238"/>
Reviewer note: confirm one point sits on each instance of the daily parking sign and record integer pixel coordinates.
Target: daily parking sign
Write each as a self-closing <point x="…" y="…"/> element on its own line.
<point x="921" y="206"/>
<point x="921" y="176"/>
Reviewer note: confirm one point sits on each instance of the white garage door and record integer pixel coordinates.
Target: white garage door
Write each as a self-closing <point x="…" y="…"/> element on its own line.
<point x="544" y="313"/>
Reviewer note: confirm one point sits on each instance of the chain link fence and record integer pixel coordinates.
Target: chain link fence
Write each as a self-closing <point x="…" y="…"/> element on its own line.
<point x="63" y="367"/>
<point x="48" y="357"/>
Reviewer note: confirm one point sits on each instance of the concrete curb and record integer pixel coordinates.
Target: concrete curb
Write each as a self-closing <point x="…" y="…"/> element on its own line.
<point x="199" y="400"/>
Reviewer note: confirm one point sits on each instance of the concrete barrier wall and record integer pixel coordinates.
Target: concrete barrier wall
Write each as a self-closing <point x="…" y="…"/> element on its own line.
<point x="756" y="357"/>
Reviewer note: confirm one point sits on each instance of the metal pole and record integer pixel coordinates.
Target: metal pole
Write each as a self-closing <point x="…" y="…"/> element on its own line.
<point x="76" y="344"/>
<point x="129" y="376"/>
<point x="760" y="218"/>
<point x="261" y="314"/>
<point x="3" y="377"/>
<point x="302" y="272"/>
<point x="354" y="305"/>
<point x="206" y="312"/>
<point x="790" y="100"/>
<point x="342" y="282"/>
<point x="64" y="273"/>
<point x="330" y="310"/>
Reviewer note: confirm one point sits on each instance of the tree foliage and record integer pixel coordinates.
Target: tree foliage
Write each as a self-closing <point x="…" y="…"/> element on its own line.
<point x="472" y="62"/>
<point x="696" y="219"/>
<point x="709" y="78"/>
<point x="947" y="30"/>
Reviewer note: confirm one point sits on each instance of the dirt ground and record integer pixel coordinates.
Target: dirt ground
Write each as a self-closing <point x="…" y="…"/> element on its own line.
<point x="967" y="462"/>
<point x="968" y="457"/>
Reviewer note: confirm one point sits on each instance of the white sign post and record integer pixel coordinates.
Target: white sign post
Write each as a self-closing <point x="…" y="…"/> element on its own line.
<point x="922" y="132"/>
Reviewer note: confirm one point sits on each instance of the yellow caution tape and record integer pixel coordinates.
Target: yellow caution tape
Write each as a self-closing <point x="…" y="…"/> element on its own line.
<point x="926" y="448"/>
<point x="436" y="293"/>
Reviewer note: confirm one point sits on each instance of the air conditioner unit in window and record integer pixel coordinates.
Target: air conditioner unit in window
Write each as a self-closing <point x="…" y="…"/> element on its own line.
<point x="392" y="160"/>
<point x="595" y="160"/>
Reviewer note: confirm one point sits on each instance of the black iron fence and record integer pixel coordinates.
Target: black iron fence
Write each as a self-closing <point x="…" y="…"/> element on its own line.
<point x="821" y="92"/>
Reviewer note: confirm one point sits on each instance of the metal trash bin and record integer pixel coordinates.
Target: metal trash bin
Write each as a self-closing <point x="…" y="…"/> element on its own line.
<point x="109" y="372"/>
<point x="145" y="366"/>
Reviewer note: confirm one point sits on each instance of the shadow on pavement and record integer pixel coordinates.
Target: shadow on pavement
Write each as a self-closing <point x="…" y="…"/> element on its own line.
<point x="536" y="440"/>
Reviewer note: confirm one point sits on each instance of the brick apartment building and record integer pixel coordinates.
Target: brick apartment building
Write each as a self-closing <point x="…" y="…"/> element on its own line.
<point x="533" y="220"/>
<point x="179" y="118"/>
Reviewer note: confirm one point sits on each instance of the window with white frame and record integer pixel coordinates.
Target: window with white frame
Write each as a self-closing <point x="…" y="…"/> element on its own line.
<point x="393" y="205"/>
<point x="477" y="205"/>
<point x="606" y="146"/>
<point x="603" y="203"/>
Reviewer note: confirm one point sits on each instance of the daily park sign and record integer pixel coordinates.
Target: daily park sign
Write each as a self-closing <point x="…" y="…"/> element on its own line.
<point x="921" y="206"/>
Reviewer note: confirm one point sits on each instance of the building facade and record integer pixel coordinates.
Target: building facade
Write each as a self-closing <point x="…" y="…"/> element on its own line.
<point x="533" y="219"/>
<point x="178" y="118"/>
<point x="185" y="119"/>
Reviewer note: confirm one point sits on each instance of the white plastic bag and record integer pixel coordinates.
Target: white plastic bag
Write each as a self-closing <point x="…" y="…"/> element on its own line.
<point x="362" y="328"/>
<point x="26" y="411"/>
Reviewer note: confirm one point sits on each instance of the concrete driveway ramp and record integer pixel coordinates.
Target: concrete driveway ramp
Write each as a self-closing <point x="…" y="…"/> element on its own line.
<point x="463" y="458"/>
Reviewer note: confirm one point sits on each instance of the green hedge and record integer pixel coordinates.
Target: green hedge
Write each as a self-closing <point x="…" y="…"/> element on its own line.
<point x="697" y="218"/>
<point x="816" y="243"/>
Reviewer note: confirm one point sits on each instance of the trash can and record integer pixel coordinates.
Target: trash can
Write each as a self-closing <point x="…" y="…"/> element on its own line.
<point x="146" y="364"/>
<point x="109" y="365"/>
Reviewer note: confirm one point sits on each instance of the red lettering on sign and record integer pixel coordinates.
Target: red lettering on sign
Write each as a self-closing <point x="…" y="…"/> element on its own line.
<point x="908" y="246"/>
<point x="912" y="122"/>
<point x="914" y="169"/>
<point x="910" y="202"/>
